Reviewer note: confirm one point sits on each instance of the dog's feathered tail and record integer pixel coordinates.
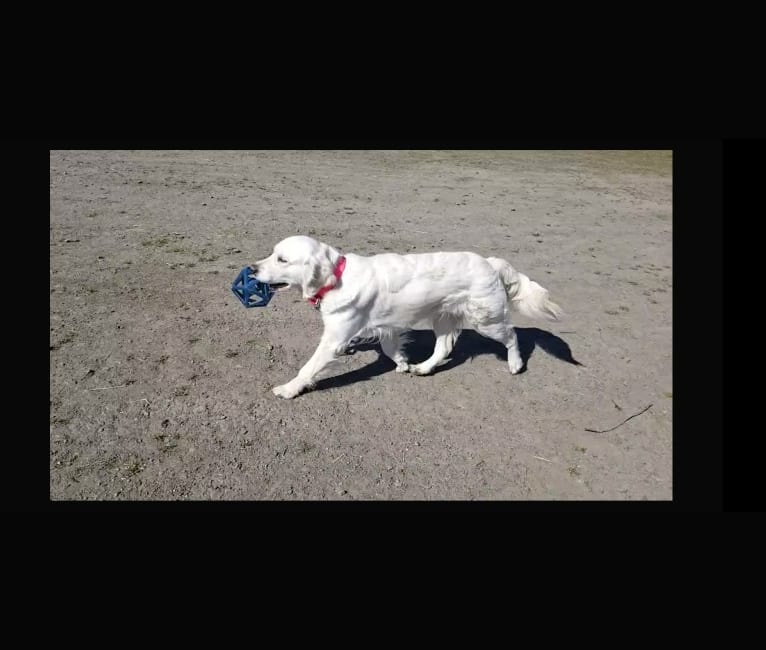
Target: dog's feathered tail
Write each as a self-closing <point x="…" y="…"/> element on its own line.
<point x="524" y="294"/>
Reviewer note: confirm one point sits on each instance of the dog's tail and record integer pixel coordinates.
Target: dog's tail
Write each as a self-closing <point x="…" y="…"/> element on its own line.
<point x="524" y="294"/>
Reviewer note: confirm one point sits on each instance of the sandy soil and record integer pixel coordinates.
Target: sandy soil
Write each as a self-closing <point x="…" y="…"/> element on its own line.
<point x="160" y="381"/>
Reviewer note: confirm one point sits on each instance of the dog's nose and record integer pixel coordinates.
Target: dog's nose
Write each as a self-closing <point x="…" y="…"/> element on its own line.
<point x="254" y="268"/>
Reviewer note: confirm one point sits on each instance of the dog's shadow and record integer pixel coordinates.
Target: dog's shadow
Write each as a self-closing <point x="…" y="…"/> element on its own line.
<point x="468" y="346"/>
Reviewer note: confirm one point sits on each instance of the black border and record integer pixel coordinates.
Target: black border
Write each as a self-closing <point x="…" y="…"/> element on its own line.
<point x="742" y="442"/>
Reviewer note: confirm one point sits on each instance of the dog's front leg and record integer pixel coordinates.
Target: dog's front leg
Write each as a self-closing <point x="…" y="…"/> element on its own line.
<point x="329" y="347"/>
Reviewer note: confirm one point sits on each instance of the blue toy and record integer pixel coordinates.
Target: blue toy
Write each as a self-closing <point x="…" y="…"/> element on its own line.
<point x="250" y="292"/>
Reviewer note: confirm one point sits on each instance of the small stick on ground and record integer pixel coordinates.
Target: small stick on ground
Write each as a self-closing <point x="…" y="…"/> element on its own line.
<point x="621" y="423"/>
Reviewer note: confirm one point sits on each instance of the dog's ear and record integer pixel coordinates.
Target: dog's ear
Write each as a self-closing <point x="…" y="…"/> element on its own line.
<point x="318" y="271"/>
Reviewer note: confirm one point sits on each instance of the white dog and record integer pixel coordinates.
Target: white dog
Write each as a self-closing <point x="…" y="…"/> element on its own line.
<point x="383" y="296"/>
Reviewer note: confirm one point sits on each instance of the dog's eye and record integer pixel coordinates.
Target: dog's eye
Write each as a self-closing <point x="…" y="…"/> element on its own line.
<point x="281" y="260"/>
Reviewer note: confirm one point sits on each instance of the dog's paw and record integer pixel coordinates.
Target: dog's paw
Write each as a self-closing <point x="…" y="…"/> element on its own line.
<point x="286" y="391"/>
<point x="402" y="367"/>
<point x="515" y="365"/>
<point x="418" y="369"/>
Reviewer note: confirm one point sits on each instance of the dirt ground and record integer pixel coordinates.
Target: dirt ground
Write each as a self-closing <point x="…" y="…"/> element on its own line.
<point x="160" y="381"/>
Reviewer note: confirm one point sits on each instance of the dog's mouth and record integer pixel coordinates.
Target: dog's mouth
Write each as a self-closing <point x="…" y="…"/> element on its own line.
<point x="279" y="286"/>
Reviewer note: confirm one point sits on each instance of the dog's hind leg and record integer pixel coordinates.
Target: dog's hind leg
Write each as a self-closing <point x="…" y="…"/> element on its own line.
<point x="504" y="333"/>
<point x="392" y="348"/>
<point x="446" y="334"/>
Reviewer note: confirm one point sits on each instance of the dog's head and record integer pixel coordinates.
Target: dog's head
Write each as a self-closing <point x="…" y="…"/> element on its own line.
<point x="298" y="262"/>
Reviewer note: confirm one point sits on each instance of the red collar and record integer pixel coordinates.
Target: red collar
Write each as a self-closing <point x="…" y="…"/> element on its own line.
<point x="337" y="272"/>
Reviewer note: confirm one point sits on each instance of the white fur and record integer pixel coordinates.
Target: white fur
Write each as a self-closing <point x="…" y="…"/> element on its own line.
<point x="382" y="296"/>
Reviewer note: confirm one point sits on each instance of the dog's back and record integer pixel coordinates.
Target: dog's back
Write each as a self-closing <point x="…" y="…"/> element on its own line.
<point x="440" y="272"/>
<point x="416" y="288"/>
